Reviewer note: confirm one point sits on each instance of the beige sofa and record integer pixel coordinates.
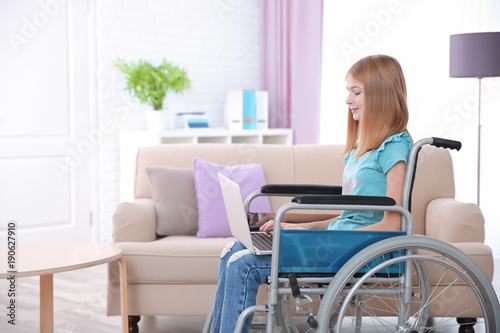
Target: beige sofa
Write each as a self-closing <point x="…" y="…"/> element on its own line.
<point x="176" y="275"/>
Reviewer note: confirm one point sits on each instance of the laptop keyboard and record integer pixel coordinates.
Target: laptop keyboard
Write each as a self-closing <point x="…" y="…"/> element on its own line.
<point x="262" y="241"/>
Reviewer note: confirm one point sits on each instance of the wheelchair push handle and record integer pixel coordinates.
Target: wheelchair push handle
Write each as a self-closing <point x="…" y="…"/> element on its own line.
<point x="446" y="143"/>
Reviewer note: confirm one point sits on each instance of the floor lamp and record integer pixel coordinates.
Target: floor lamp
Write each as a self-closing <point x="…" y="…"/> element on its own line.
<point x="475" y="55"/>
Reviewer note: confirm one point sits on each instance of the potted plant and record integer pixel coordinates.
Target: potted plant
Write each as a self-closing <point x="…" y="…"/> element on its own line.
<point x="150" y="84"/>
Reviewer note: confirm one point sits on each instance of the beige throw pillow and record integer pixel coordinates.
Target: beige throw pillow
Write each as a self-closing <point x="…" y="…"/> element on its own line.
<point x="174" y="199"/>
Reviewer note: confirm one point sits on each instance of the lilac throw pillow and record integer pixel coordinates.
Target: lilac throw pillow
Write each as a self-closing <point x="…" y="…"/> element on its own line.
<point x="212" y="217"/>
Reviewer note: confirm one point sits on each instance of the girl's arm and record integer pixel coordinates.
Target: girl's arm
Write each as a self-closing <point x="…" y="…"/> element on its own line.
<point x="296" y="218"/>
<point x="390" y="222"/>
<point x="301" y="221"/>
<point x="395" y="183"/>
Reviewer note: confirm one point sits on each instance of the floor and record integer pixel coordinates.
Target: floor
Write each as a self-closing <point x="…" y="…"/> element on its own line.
<point x="81" y="307"/>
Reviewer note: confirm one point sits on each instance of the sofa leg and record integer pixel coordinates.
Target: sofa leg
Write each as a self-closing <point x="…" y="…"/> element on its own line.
<point x="466" y="325"/>
<point x="132" y="324"/>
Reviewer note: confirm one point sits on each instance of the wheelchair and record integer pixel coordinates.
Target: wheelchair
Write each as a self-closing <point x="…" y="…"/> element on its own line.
<point x="369" y="281"/>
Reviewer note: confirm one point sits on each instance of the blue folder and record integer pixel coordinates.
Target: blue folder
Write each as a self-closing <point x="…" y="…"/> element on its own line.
<point x="249" y="110"/>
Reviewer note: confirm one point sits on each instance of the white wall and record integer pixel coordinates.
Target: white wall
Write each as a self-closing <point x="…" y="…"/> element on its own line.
<point x="417" y="33"/>
<point x="217" y="41"/>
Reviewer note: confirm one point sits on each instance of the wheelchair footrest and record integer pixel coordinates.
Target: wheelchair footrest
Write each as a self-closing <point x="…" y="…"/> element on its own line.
<point x="301" y="300"/>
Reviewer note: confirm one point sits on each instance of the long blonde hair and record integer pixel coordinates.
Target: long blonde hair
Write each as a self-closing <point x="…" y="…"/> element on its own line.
<point x="385" y="110"/>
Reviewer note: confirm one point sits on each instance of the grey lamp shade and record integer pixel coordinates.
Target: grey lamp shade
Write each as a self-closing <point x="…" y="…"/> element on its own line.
<point x="475" y="55"/>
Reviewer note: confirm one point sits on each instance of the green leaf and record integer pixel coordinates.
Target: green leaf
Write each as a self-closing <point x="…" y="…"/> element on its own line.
<point x="150" y="84"/>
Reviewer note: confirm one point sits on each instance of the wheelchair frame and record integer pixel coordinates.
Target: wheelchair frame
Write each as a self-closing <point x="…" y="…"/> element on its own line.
<point x="350" y="289"/>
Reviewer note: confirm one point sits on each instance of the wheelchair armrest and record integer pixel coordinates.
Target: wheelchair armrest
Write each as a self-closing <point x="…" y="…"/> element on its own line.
<point x="344" y="200"/>
<point x="295" y="189"/>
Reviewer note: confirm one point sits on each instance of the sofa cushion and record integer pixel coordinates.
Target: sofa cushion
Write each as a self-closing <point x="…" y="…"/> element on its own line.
<point x="174" y="199"/>
<point x="174" y="259"/>
<point x="212" y="217"/>
<point x="192" y="260"/>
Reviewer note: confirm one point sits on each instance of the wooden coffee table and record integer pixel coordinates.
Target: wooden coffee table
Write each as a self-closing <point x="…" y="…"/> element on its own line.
<point x="45" y="259"/>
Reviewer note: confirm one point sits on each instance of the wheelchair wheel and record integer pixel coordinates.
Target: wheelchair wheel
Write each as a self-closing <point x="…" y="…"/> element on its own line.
<point x="419" y="277"/>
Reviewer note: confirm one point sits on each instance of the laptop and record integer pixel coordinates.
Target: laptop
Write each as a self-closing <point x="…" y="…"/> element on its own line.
<point x="259" y="243"/>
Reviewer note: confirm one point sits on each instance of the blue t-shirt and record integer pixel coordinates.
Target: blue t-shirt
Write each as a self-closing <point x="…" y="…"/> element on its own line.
<point x="366" y="175"/>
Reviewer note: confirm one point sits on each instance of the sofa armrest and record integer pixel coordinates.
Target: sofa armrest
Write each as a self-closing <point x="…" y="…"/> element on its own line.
<point x="134" y="221"/>
<point x="454" y="222"/>
<point x="481" y="254"/>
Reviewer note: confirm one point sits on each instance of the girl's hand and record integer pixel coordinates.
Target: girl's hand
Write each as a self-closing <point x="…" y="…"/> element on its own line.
<point x="264" y="219"/>
<point x="269" y="226"/>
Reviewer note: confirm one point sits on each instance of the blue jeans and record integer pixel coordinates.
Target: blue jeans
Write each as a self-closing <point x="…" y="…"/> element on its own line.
<point x="240" y="275"/>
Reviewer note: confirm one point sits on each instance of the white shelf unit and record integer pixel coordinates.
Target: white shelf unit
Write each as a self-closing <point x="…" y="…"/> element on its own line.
<point x="132" y="140"/>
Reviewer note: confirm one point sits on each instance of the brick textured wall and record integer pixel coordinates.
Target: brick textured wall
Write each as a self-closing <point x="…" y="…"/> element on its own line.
<point x="218" y="41"/>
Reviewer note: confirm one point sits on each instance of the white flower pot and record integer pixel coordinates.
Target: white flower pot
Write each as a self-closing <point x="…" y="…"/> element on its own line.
<point x="155" y="121"/>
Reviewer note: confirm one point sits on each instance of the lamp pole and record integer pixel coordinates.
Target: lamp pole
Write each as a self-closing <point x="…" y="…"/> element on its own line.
<point x="479" y="146"/>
